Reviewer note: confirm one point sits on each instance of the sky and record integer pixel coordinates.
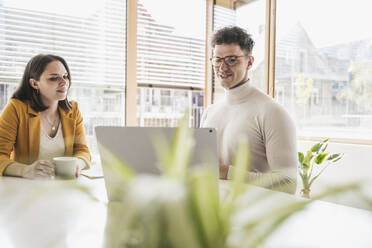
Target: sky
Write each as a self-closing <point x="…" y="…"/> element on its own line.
<point x="327" y="22"/>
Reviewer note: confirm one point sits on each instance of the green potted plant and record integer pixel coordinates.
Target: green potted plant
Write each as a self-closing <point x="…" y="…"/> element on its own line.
<point x="313" y="163"/>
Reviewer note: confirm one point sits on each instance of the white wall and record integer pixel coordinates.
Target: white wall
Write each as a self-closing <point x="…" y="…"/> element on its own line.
<point x="355" y="166"/>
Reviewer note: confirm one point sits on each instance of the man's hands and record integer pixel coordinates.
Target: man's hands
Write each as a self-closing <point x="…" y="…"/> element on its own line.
<point x="39" y="169"/>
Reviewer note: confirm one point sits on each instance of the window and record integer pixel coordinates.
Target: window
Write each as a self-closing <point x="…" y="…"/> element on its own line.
<point x="165" y="107"/>
<point x="91" y="38"/>
<point x="328" y="78"/>
<point x="279" y="95"/>
<point x="302" y="62"/>
<point x="222" y="17"/>
<point x="315" y="96"/>
<point x="255" y="25"/>
<point x="170" y="61"/>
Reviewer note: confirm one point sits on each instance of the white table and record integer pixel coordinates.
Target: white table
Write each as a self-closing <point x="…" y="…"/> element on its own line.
<point x="31" y="216"/>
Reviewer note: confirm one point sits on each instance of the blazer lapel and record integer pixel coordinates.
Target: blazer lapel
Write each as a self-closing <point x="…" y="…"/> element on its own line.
<point x="33" y="133"/>
<point x="68" y="128"/>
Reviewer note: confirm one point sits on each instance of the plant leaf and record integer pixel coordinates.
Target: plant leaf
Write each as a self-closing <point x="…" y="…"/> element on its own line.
<point x="241" y="165"/>
<point x="334" y="161"/>
<point x="320" y="147"/>
<point x="324" y="148"/>
<point x="204" y="208"/>
<point x="335" y="156"/>
<point x="316" y="147"/>
<point x="174" y="158"/>
<point x="320" y="158"/>
<point x="307" y="159"/>
<point x="119" y="173"/>
<point x="116" y="167"/>
<point x="162" y="149"/>
<point x="300" y="157"/>
<point x="181" y="148"/>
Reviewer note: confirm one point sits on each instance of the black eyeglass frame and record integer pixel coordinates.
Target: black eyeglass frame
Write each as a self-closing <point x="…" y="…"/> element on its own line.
<point x="225" y="61"/>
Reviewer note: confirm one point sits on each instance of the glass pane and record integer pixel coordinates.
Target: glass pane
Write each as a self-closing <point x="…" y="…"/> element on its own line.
<point x="251" y="17"/>
<point x="165" y="107"/>
<point x="171" y="55"/>
<point x="222" y="17"/>
<point x="324" y="68"/>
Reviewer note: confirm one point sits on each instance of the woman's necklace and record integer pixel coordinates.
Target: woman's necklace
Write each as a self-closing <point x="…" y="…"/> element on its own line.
<point x="52" y="124"/>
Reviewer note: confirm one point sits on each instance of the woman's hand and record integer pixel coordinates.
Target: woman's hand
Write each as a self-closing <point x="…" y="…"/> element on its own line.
<point x="39" y="169"/>
<point x="80" y="165"/>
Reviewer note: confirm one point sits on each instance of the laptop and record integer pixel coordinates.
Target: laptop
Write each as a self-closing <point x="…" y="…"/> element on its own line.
<point x="135" y="147"/>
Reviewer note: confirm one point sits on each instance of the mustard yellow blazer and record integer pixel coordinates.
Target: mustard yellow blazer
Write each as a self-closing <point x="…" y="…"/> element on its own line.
<point x="20" y="134"/>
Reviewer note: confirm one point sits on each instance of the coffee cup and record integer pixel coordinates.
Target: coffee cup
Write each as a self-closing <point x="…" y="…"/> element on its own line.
<point x="65" y="167"/>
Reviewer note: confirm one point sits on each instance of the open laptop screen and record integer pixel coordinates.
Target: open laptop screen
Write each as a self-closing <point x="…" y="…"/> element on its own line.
<point x="134" y="146"/>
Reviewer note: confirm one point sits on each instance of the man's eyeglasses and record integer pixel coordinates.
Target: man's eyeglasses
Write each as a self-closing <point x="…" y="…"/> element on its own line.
<point x="229" y="60"/>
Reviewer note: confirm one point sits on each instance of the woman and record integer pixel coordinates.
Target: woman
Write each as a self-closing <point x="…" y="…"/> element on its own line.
<point x="39" y="123"/>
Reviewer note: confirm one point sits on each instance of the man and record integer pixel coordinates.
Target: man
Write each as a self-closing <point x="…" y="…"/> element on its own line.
<point x="246" y="112"/>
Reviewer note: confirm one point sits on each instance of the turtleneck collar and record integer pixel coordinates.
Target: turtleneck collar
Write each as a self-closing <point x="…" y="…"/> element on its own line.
<point x="239" y="94"/>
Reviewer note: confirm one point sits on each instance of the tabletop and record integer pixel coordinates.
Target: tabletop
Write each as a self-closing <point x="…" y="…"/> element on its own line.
<point x="58" y="214"/>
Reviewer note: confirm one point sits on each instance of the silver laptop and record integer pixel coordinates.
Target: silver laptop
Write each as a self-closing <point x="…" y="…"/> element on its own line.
<point x="135" y="147"/>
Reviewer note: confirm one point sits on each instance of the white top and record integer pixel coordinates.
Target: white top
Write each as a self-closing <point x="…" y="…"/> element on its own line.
<point x="249" y="114"/>
<point x="51" y="147"/>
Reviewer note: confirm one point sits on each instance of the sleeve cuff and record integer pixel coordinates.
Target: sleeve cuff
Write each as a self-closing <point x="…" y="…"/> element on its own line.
<point x="82" y="164"/>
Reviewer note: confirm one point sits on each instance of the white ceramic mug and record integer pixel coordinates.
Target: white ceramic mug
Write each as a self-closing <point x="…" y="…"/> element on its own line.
<point x="65" y="167"/>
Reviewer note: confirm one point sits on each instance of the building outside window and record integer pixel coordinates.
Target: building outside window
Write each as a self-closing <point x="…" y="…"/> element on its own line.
<point x="328" y="78"/>
<point x="170" y="61"/>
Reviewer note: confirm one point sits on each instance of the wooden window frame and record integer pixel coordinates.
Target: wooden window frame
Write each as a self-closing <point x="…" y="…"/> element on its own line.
<point x="131" y="67"/>
<point x="208" y="84"/>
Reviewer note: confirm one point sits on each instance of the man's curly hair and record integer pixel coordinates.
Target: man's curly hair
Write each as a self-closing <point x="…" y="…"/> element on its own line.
<point x="233" y="35"/>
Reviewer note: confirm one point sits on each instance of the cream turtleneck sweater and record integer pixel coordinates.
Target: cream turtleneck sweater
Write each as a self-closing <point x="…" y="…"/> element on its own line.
<point x="247" y="113"/>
